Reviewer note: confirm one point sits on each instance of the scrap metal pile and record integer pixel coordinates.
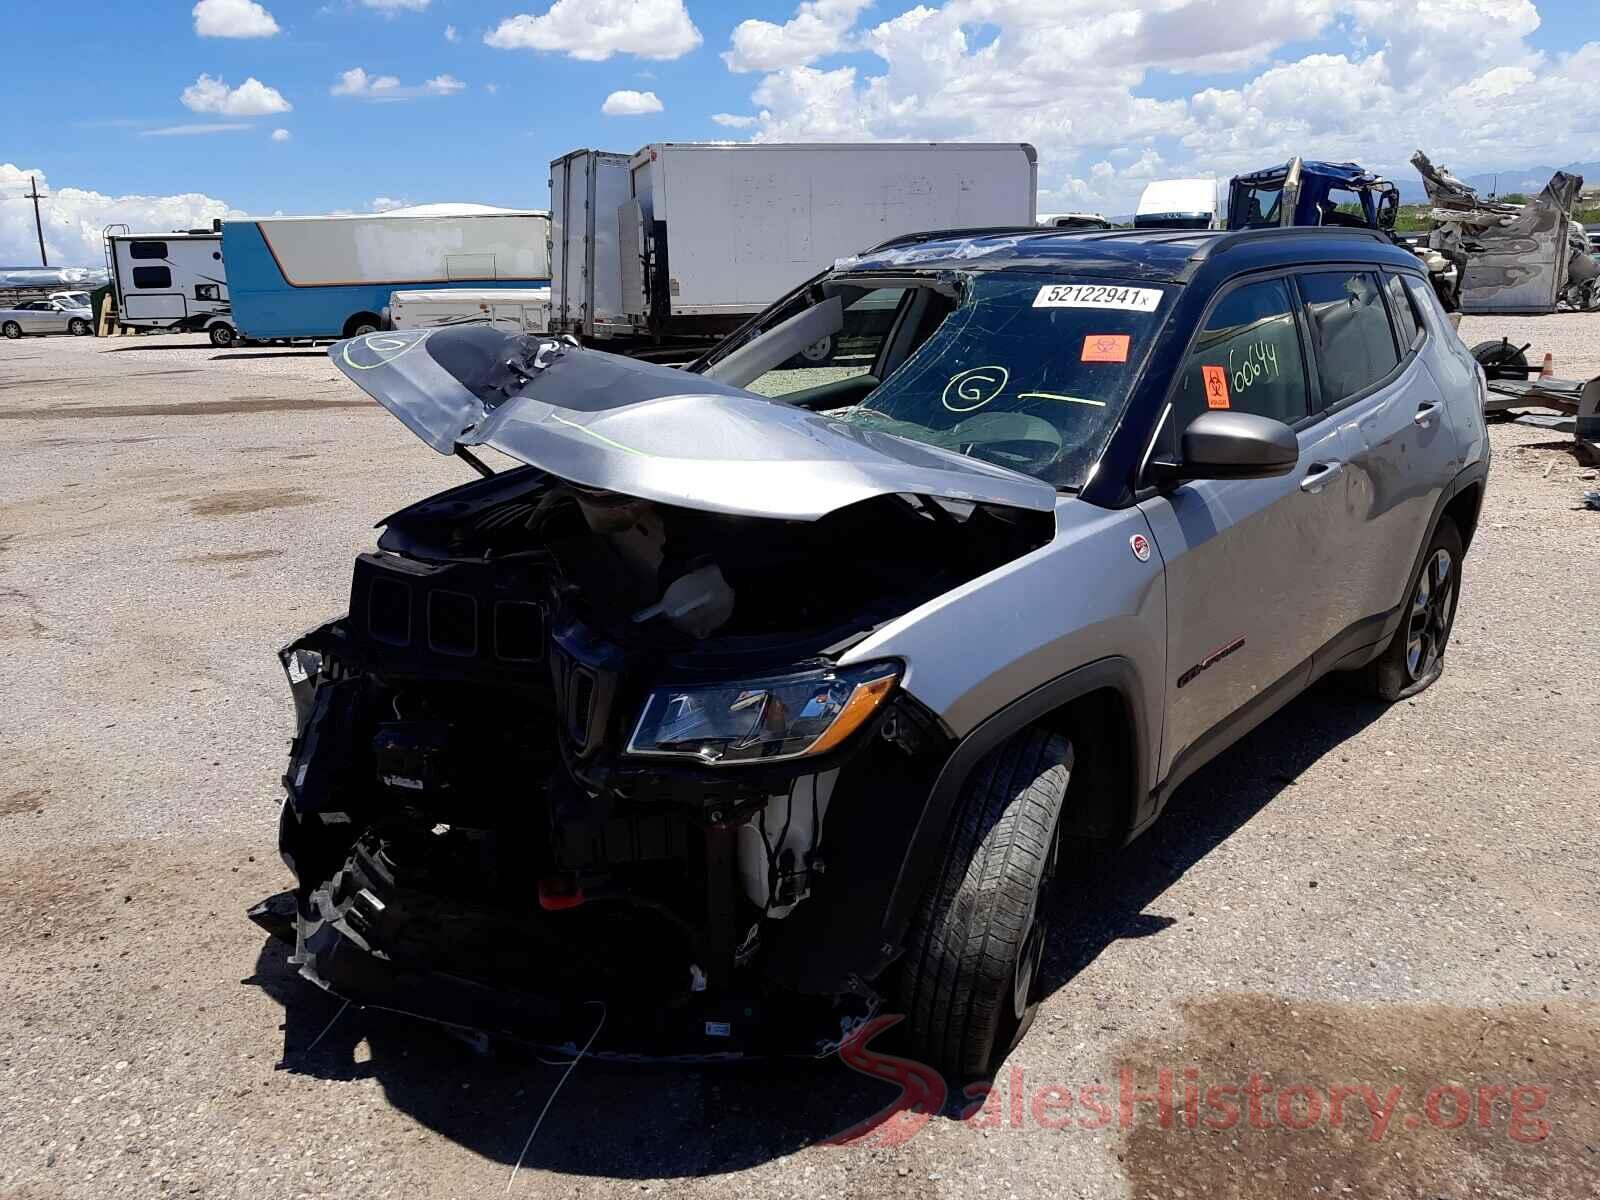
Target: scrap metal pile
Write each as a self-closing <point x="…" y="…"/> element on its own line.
<point x="1512" y="258"/>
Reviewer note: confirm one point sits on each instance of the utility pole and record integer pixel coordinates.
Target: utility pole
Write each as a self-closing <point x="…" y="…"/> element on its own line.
<point x="38" y="225"/>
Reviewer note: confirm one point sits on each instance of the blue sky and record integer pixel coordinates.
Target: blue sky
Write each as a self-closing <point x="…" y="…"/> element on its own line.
<point x="155" y="126"/>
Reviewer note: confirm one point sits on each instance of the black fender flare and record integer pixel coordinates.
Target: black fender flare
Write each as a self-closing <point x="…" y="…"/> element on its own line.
<point x="929" y="838"/>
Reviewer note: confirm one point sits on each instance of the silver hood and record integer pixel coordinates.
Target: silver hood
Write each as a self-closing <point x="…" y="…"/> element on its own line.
<point x="650" y="431"/>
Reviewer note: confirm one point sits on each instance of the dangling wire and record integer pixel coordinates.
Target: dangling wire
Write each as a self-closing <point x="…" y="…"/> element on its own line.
<point x="532" y="1133"/>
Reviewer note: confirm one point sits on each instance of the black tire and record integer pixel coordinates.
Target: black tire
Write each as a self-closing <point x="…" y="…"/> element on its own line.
<point x="1414" y="657"/>
<point x="222" y="335"/>
<point x="1501" y="360"/>
<point x="11" y="330"/>
<point x="361" y="323"/>
<point x="970" y="980"/>
<point x="78" y="327"/>
<point x="819" y="354"/>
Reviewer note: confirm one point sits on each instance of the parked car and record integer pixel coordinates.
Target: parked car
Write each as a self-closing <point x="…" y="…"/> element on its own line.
<point x="764" y="697"/>
<point x="46" y="316"/>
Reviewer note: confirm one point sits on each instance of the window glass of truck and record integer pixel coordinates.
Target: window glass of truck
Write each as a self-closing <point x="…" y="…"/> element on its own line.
<point x="147" y="249"/>
<point x="1030" y="371"/>
<point x="152" y="277"/>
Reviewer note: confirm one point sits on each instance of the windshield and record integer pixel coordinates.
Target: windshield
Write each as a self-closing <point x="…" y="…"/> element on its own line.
<point x="1030" y="372"/>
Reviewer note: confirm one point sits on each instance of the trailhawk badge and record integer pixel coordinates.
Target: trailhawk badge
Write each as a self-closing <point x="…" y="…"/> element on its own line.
<point x="1141" y="547"/>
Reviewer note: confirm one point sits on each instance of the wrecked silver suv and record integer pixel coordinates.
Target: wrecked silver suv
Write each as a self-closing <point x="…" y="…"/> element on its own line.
<point x="764" y="694"/>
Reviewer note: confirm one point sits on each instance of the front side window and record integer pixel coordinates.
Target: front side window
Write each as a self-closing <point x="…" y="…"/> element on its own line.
<point x="152" y="277"/>
<point x="1257" y="207"/>
<point x="1029" y="371"/>
<point x="1349" y="331"/>
<point x="844" y="354"/>
<point x="147" y="249"/>
<point x="1246" y="358"/>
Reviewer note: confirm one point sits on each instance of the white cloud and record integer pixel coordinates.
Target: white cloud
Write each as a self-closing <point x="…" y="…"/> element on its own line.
<point x="390" y="7"/>
<point x="233" y="19"/>
<point x="1457" y="77"/>
<point x="631" y="104"/>
<point x="356" y="82"/>
<point x="818" y="28"/>
<point x="452" y="34"/>
<point x="74" y="217"/>
<point x="197" y="129"/>
<point x="252" y="98"/>
<point x="380" y="204"/>
<point x="594" y="30"/>
<point x="281" y="135"/>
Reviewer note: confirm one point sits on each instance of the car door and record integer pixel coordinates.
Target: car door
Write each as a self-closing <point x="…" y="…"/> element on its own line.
<point x="1398" y="443"/>
<point x="1249" y="562"/>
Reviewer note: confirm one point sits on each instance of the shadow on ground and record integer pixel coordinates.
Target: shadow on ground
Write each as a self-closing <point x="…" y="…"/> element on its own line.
<point x="669" y="1121"/>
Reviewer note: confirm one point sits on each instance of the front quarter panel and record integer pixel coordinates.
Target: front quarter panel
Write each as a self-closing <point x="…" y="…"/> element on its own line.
<point x="1084" y="597"/>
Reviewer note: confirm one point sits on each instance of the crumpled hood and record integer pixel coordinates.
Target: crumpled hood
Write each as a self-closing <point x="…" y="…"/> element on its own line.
<point x="650" y="431"/>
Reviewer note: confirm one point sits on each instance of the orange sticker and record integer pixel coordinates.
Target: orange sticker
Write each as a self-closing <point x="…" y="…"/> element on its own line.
<point x="1216" y="387"/>
<point x="1106" y="347"/>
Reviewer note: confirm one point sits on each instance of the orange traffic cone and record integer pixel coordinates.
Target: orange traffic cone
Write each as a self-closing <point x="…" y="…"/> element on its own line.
<point x="1548" y="371"/>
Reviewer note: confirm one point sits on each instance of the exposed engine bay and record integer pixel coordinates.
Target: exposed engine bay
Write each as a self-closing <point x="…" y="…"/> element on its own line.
<point x="570" y="745"/>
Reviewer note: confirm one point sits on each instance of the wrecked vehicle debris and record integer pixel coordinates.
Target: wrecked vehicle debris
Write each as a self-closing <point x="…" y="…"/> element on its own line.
<point x="1513" y="258"/>
<point x="761" y="697"/>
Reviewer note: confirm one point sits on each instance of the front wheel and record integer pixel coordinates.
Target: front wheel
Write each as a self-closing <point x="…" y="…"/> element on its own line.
<point x="1414" y="658"/>
<point x="222" y="335"/>
<point x="12" y="330"/>
<point x="970" y="982"/>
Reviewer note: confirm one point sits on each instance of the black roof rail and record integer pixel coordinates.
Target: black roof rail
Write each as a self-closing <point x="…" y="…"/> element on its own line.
<point x="1223" y="241"/>
<point x="937" y="235"/>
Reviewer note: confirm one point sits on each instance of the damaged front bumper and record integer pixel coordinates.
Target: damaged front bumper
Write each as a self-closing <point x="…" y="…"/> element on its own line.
<point x="469" y="851"/>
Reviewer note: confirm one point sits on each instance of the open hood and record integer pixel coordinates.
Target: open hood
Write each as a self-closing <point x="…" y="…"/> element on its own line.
<point x="650" y="431"/>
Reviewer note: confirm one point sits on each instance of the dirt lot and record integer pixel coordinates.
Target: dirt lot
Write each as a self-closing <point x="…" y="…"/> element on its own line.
<point x="1353" y="908"/>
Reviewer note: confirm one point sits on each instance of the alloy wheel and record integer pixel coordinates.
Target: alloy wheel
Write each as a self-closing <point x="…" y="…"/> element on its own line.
<point x="1432" y="608"/>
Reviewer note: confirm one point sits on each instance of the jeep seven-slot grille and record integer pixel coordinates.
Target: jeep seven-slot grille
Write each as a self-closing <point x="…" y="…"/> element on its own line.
<point x="410" y="607"/>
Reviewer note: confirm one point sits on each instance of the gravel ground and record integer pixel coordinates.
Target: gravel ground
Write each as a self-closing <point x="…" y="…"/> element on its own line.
<point x="1398" y="898"/>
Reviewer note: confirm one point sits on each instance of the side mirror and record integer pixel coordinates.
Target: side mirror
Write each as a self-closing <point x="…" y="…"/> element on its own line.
<point x="1232" y="445"/>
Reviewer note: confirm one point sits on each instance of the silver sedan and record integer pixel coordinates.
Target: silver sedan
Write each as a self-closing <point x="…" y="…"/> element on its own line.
<point x="46" y="316"/>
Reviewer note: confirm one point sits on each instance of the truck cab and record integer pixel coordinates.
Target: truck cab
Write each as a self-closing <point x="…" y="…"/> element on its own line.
<point x="1301" y="192"/>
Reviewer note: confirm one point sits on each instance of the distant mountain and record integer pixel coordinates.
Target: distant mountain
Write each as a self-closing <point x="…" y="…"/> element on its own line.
<point x="1529" y="181"/>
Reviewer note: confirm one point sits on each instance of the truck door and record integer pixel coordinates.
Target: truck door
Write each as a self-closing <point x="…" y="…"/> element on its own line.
<point x="1398" y="438"/>
<point x="1252" y="564"/>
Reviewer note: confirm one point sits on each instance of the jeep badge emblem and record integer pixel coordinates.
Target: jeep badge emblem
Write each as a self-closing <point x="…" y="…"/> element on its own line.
<point x="1141" y="547"/>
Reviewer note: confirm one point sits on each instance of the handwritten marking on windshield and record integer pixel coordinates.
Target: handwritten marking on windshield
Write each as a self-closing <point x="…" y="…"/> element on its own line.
<point x="1058" y="396"/>
<point x="975" y="388"/>
<point x="1260" y="362"/>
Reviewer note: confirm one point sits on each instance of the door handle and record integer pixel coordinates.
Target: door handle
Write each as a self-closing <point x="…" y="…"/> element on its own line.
<point x="1425" y="413"/>
<point x="1321" y="475"/>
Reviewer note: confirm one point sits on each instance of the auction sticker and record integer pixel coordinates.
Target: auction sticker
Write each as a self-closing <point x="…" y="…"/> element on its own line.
<point x="1216" y="387"/>
<point x="1098" y="295"/>
<point x="1106" y="348"/>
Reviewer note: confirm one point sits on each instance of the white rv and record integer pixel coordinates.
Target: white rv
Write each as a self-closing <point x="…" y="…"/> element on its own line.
<point x="681" y="242"/>
<point x="527" y="309"/>
<point x="1180" y="204"/>
<point x="171" y="281"/>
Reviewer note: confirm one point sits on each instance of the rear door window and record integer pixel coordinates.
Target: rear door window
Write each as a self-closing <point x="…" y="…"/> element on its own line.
<point x="1247" y="358"/>
<point x="1406" y="317"/>
<point x="1350" y="332"/>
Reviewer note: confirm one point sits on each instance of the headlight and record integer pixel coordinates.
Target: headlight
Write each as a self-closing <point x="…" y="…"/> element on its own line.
<point x="762" y="719"/>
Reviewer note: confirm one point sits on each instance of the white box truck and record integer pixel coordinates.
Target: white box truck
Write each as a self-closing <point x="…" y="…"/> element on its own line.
<point x="527" y="309"/>
<point x="680" y="242"/>
<point x="1180" y="204"/>
<point x="171" y="281"/>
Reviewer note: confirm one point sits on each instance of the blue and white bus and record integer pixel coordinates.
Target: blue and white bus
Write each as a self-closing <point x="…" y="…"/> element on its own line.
<point x="319" y="277"/>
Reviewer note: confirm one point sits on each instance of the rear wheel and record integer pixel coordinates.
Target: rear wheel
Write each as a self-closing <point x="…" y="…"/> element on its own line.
<point x="1414" y="658"/>
<point x="222" y="335"/>
<point x="970" y="983"/>
<point x="78" y="327"/>
<point x="11" y="329"/>
<point x="362" y="323"/>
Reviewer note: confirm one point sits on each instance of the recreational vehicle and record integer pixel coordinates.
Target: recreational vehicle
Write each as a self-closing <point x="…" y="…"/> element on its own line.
<point x="527" y="309"/>
<point x="171" y="281"/>
<point x="328" y="277"/>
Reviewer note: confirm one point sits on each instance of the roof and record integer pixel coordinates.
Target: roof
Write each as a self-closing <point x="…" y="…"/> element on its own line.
<point x="1161" y="255"/>
<point x="416" y="210"/>
<point x="1351" y="174"/>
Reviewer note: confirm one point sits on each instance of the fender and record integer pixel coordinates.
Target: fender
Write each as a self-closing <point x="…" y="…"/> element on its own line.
<point x="929" y="838"/>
